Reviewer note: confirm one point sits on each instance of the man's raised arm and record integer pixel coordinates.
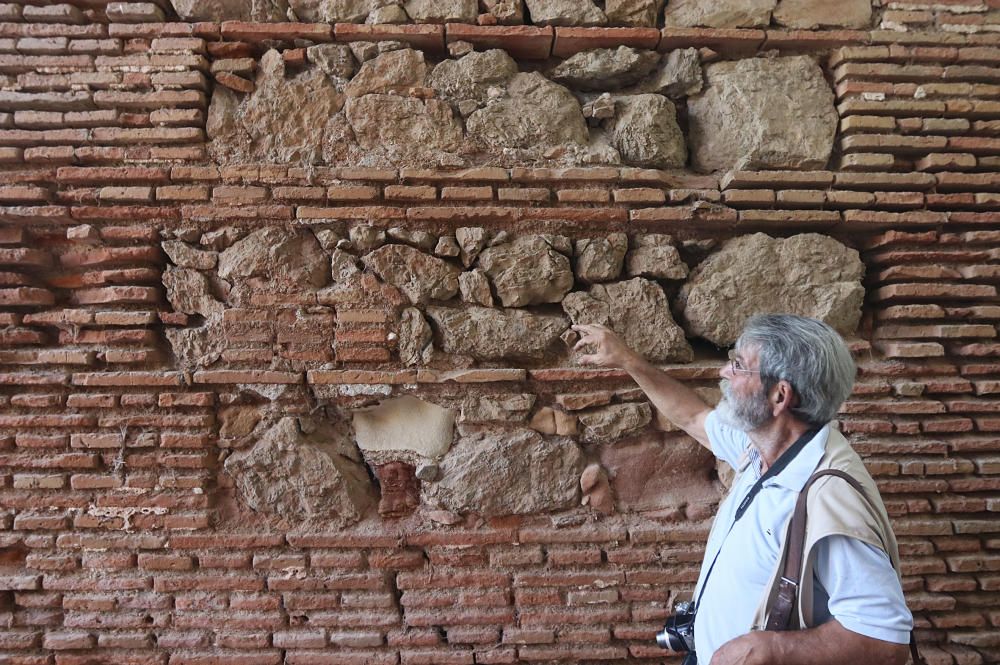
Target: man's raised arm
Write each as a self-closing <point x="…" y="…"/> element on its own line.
<point x="677" y="402"/>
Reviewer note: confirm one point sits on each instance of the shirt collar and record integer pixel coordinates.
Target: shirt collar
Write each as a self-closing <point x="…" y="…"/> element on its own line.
<point x="798" y="471"/>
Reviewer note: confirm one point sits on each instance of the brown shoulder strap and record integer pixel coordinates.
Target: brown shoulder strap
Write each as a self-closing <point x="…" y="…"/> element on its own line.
<point x="779" y="615"/>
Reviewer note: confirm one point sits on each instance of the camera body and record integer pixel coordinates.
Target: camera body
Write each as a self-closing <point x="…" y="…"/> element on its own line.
<point x="678" y="632"/>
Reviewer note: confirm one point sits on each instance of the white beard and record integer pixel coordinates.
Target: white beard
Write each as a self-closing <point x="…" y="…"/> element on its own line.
<point x="744" y="415"/>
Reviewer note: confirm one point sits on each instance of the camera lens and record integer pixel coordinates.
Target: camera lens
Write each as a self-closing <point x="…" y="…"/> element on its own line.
<point x="667" y="641"/>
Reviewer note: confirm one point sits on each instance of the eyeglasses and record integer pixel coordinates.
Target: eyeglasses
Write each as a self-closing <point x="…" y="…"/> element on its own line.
<point x="737" y="364"/>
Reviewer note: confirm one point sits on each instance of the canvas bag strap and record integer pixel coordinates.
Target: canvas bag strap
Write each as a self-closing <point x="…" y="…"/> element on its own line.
<point x="780" y="612"/>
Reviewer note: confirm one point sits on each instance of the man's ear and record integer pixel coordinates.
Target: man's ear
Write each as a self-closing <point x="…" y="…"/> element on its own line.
<point x="784" y="397"/>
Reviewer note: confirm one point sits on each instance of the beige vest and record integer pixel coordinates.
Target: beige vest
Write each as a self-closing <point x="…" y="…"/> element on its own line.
<point x="834" y="508"/>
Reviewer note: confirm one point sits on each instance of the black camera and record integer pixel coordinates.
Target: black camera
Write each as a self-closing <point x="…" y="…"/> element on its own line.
<point x="678" y="632"/>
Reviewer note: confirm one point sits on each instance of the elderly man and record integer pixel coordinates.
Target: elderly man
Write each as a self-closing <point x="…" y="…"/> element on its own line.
<point x="786" y="378"/>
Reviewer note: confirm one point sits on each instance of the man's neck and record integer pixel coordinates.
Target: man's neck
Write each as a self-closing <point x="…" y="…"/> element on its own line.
<point x="776" y="437"/>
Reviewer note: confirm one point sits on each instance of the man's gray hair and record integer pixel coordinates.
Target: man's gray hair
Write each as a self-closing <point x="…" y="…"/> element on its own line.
<point x="808" y="354"/>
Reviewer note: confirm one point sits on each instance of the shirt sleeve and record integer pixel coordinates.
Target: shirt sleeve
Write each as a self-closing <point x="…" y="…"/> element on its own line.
<point x="856" y="584"/>
<point x="728" y="444"/>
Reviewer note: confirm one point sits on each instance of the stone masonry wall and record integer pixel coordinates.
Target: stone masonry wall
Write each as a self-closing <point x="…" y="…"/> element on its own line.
<point x="286" y="289"/>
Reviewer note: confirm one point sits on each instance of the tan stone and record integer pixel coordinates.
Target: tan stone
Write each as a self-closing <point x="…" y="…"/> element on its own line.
<point x="404" y="428"/>
<point x="605" y="68"/>
<point x="633" y="13"/>
<point x="719" y="13"/>
<point x="813" y="14"/>
<point x="610" y="423"/>
<point x="600" y="259"/>
<point x="528" y="270"/>
<point x="655" y="255"/>
<point x="421" y="277"/>
<point x="787" y="118"/>
<point x="389" y="72"/>
<point x="565" y="13"/>
<point x="490" y="334"/>
<point x="645" y="132"/>
<point x="809" y="274"/>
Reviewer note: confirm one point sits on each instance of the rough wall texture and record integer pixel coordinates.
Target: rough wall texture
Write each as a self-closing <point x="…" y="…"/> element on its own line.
<point x="286" y="289"/>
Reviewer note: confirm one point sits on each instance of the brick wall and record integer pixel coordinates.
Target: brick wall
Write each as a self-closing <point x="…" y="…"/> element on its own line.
<point x="122" y="540"/>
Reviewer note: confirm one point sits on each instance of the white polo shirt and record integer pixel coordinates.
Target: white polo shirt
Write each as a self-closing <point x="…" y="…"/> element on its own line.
<point x="853" y="583"/>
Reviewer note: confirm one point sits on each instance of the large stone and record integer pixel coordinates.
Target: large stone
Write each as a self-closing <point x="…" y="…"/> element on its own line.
<point x="333" y="11"/>
<point x="282" y="259"/>
<point x="813" y="14"/>
<point x="638" y="311"/>
<point x="787" y="119"/>
<point x="633" y="13"/>
<point x="471" y="77"/>
<point x="404" y="128"/>
<point x="421" y="277"/>
<point x="192" y="11"/>
<point x="809" y="274"/>
<point x="565" y="13"/>
<point x="605" y="68"/>
<point x="645" y="132"/>
<point x="442" y="11"/>
<point x="508" y="473"/>
<point x="404" y="428"/>
<point x="390" y="72"/>
<point x="506" y="12"/>
<point x="655" y="255"/>
<point x="654" y="472"/>
<point x="719" y="13"/>
<point x="475" y="288"/>
<point x="490" y="334"/>
<point x="535" y="112"/>
<point x="527" y="271"/>
<point x="272" y="124"/>
<point x="293" y="476"/>
<point x="600" y="259"/>
<point x="678" y="75"/>
<point x="189" y="291"/>
<point x="611" y="423"/>
<point x="415" y="337"/>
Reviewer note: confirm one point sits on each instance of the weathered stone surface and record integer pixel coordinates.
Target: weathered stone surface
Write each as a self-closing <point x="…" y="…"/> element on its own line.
<point x="645" y="131"/>
<point x="527" y="271"/>
<point x="655" y="255"/>
<point x="812" y="14"/>
<point x="404" y="128"/>
<point x="490" y="334"/>
<point x="638" y="311"/>
<point x="508" y="473"/>
<point x="420" y="239"/>
<point x="272" y="124"/>
<point x="230" y="10"/>
<point x="442" y="11"/>
<point x="334" y="59"/>
<point x="471" y="77"/>
<point x="365" y="237"/>
<point x="605" y="68"/>
<point x="506" y="12"/>
<point x="496" y="408"/>
<point x="447" y="246"/>
<point x="239" y="420"/>
<point x="565" y="12"/>
<point x="389" y="72"/>
<point x="535" y="112"/>
<point x="404" y="428"/>
<point x="393" y="14"/>
<point x="719" y="14"/>
<point x="184" y="255"/>
<point x="635" y="13"/>
<point x="197" y="347"/>
<point x="653" y="473"/>
<point x="809" y="274"/>
<point x="597" y="489"/>
<point x="471" y="240"/>
<point x="333" y="11"/>
<point x="343" y="266"/>
<point x="616" y="421"/>
<point x="600" y="259"/>
<point x="677" y="75"/>
<point x="283" y="259"/>
<point x="787" y="119"/>
<point x="421" y="277"/>
<point x="299" y="477"/>
<point x="475" y="288"/>
<point x="415" y="337"/>
<point x="188" y="291"/>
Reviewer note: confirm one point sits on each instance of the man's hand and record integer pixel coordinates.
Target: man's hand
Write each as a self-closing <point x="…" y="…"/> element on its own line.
<point x="608" y="350"/>
<point x="749" y="649"/>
